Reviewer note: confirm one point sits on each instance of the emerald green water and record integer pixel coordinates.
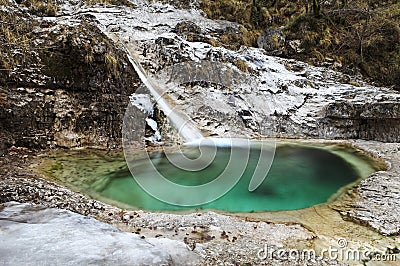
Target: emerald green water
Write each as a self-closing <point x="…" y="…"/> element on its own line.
<point x="300" y="177"/>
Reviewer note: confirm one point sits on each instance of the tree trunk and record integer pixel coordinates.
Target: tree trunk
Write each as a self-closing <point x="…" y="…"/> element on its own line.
<point x="316" y="8"/>
<point x="307" y="3"/>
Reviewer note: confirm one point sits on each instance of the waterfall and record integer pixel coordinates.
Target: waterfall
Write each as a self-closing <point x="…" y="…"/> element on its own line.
<point x="178" y="119"/>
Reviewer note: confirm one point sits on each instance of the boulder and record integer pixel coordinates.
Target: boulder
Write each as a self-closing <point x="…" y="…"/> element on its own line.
<point x="187" y="27"/>
<point x="272" y="41"/>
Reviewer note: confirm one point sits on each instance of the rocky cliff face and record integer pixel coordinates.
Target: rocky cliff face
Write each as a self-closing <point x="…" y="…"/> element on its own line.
<point x="72" y="91"/>
<point x="246" y="92"/>
<point x="74" y="88"/>
<point x="39" y="118"/>
<point x="370" y="121"/>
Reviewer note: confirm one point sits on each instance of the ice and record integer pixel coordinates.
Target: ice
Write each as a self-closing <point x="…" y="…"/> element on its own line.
<point x="32" y="235"/>
<point x="142" y="102"/>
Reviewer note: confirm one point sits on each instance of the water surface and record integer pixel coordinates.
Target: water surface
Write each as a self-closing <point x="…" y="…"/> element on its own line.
<point x="300" y="176"/>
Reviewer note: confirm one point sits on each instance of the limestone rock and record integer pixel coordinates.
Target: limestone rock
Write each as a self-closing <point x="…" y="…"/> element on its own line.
<point x="83" y="102"/>
<point x="272" y="41"/>
<point x="370" y="121"/>
<point x="378" y="205"/>
<point x="187" y="27"/>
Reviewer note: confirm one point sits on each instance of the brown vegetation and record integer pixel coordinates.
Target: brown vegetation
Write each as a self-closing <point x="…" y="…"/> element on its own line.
<point x="40" y="8"/>
<point x="242" y="66"/>
<point x="14" y="41"/>
<point x="360" y="35"/>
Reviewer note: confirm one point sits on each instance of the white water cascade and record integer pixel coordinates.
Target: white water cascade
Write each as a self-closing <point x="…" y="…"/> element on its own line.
<point x="178" y="119"/>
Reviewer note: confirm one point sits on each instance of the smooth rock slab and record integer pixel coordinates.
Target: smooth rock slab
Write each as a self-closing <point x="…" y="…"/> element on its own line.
<point x="378" y="205"/>
<point x="32" y="235"/>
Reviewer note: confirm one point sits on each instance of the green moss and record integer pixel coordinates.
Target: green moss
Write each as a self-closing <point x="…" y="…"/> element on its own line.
<point x="56" y="166"/>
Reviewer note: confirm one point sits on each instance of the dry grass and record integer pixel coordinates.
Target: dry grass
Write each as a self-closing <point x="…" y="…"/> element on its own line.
<point x="242" y="66"/>
<point x="358" y="34"/>
<point x="111" y="65"/>
<point x="41" y="8"/>
<point x="50" y="7"/>
<point x="253" y="18"/>
<point x="363" y="35"/>
<point x="14" y="40"/>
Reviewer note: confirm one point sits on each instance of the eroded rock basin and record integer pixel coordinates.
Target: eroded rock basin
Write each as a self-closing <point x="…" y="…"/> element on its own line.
<point x="301" y="175"/>
<point x="226" y="237"/>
